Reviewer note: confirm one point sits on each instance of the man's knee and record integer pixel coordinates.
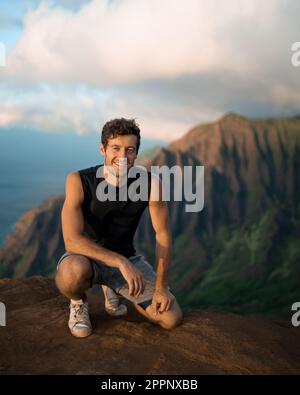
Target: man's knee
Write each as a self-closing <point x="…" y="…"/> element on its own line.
<point x="172" y="320"/>
<point x="168" y="319"/>
<point x="73" y="273"/>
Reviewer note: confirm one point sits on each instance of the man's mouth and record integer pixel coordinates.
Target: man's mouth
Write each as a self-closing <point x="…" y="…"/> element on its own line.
<point x="121" y="164"/>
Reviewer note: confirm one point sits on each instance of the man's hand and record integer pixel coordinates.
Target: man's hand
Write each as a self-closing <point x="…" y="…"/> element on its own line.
<point x="133" y="277"/>
<point x="162" y="300"/>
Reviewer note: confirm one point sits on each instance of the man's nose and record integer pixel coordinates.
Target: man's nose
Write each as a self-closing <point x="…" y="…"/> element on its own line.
<point x="122" y="154"/>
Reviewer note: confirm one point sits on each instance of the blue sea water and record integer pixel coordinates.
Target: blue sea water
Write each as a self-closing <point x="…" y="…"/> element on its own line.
<point x="34" y="166"/>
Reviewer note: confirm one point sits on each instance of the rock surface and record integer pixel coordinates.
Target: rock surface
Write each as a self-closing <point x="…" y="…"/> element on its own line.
<point x="36" y="339"/>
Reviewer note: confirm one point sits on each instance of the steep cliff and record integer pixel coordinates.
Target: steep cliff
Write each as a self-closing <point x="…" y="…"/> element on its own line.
<point x="36" y="242"/>
<point x="242" y="251"/>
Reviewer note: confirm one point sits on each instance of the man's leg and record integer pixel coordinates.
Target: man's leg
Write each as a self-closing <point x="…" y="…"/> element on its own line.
<point x="112" y="302"/>
<point x="168" y="319"/>
<point x="74" y="276"/>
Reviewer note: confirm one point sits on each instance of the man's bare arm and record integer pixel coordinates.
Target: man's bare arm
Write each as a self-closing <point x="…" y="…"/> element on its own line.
<point x="158" y="210"/>
<point x="75" y="241"/>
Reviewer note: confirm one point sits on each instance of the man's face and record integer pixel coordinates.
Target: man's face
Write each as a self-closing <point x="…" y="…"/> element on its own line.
<point x="118" y="149"/>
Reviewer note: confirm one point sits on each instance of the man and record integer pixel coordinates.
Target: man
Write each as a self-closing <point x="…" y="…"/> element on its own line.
<point x="98" y="238"/>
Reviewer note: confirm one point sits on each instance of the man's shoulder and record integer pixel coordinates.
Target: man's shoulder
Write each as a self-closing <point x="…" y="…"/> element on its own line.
<point x="90" y="170"/>
<point x="87" y="179"/>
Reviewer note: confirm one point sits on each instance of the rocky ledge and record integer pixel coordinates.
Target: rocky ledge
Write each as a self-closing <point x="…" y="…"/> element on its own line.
<point x="36" y="339"/>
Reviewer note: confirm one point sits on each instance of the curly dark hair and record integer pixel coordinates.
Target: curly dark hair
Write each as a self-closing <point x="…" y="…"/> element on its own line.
<point x="120" y="127"/>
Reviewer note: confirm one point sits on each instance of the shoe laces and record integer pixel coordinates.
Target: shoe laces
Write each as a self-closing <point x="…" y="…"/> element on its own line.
<point x="80" y="312"/>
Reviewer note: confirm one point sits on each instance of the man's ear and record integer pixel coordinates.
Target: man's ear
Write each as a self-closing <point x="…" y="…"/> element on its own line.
<point x="102" y="149"/>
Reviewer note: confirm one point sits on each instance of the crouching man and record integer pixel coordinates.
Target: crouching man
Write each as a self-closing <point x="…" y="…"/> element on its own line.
<point x="98" y="236"/>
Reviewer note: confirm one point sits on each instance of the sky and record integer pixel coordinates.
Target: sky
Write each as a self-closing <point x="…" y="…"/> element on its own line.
<point x="72" y="65"/>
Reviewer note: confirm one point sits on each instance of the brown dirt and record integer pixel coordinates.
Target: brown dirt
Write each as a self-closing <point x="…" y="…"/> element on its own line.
<point x="36" y="339"/>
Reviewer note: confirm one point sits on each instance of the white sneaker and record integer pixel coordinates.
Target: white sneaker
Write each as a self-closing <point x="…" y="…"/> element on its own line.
<point x="79" y="322"/>
<point x="112" y="303"/>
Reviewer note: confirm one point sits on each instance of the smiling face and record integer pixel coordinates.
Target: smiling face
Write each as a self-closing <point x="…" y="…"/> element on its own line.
<point x="117" y="150"/>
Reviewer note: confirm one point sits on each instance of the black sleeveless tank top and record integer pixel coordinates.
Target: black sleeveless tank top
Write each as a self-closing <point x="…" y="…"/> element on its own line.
<point x="111" y="224"/>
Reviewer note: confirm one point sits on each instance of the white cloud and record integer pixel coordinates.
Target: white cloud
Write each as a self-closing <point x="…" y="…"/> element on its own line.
<point x="171" y="64"/>
<point x="9" y="116"/>
<point x="132" y="40"/>
<point x="84" y="110"/>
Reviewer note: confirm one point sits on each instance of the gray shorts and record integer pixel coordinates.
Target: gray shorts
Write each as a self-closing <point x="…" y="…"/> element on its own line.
<point x="113" y="278"/>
